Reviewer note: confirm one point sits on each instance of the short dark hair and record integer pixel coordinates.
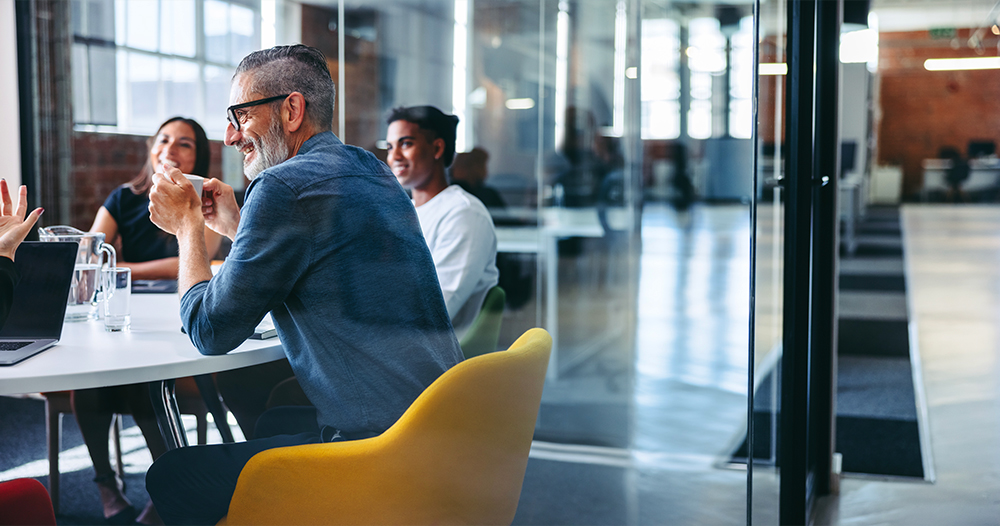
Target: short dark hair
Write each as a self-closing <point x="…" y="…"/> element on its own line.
<point x="428" y="118"/>
<point x="141" y="183"/>
<point x="284" y="69"/>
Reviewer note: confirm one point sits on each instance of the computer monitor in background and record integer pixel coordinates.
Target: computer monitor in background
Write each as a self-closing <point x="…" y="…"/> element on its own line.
<point x="848" y="157"/>
<point x="982" y="148"/>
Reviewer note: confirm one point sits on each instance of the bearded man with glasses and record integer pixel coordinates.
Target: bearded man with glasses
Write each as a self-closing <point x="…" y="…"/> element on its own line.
<point x="328" y="243"/>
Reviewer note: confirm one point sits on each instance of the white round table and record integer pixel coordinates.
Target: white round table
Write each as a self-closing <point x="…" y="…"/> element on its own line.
<point x="153" y="350"/>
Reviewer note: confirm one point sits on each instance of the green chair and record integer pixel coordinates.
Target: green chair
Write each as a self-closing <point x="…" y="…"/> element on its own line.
<point x="483" y="334"/>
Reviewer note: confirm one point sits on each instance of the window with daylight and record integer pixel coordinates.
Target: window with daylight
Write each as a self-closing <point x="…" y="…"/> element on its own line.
<point x="741" y="78"/>
<point x="138" y="62"/>
<point x="706" y="54"/>
<point x="661" y="83"/>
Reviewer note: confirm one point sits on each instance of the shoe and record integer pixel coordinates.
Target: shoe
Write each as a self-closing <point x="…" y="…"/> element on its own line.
<point x="122" y="518"/>
<point x="113" y="483"/>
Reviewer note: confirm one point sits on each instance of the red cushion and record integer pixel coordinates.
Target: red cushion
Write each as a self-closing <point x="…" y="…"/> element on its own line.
<point x="25" y="502"/>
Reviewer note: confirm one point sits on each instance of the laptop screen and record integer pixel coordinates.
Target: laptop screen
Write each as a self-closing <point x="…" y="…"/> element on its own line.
<point x="46" y="271"/>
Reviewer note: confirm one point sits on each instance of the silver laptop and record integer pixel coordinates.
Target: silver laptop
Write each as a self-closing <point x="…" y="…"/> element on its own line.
<point x="36" y="316"/>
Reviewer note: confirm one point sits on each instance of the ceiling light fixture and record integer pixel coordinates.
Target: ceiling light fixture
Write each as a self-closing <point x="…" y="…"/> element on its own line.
<point x="961" y="64"/>
<point x="773" y="68"/>
<point x="520" y="104"/>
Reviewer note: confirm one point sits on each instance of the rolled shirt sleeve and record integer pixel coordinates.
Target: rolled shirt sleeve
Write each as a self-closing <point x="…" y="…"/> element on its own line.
<point x="266" y="261"/>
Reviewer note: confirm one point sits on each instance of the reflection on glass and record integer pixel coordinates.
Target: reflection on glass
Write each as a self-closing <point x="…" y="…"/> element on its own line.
<point x="661" y="85"/>
<point x="460" y="72"/>
<point x="741" y="80"/>
<point x="707" y="46"/>
<point x="769" y="261"/>
<point x="700" y="114"/>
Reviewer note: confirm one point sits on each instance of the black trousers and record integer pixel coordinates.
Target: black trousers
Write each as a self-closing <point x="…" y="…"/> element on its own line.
<point x="194" y="485"/>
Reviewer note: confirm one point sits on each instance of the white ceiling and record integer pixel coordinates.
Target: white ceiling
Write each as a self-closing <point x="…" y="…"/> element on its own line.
<point x="916" y="15"/>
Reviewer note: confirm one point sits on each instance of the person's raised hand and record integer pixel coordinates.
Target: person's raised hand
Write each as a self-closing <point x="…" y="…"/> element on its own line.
<point x="13" y="225"/>
<point x="218" y="205"/>
<point x="173" y="203"/>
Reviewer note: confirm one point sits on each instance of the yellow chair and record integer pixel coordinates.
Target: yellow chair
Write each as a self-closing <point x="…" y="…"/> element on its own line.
<point x="482" y="336"/>
<point x="456" y="456"/>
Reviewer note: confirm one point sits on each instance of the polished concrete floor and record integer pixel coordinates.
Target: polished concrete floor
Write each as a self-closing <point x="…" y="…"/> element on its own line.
<point x="676" y="387"/>
<point x="953" y="275"/>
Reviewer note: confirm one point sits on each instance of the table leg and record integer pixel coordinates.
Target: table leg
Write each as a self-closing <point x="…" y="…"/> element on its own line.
<point x="210" y="395"/>
<point x="552" y="302"/>
<point x="168" y="416"/>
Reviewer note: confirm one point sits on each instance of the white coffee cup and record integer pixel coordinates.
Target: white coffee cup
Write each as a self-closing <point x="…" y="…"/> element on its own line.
<point x="196" y="181"/>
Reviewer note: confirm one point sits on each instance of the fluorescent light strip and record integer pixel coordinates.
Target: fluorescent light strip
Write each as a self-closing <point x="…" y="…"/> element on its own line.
<point x="773" y="68"/>
<point x="961" y="64"/>
<point x="459" y="71"/>
<point x="562" y="71"/>
<point x="618" y="119"/>
<point x="520" y="104"/>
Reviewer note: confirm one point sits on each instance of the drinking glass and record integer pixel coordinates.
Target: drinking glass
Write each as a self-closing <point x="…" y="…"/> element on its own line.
<point x="117" y="299"/>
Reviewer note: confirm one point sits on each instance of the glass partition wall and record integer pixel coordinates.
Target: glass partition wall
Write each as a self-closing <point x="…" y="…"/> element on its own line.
<point x="616" y="139"/>
<point x="769" y="256"/>
<point x="614" y="143"/>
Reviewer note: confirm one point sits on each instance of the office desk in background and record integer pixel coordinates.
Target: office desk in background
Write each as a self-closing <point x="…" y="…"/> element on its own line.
<point x="984" y="176"/>
<point x="541" y="234"/>
<point x="155" y="350"/>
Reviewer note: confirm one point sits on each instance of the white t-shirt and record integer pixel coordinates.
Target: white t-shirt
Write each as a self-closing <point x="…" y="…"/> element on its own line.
<point x="459" y="232"/>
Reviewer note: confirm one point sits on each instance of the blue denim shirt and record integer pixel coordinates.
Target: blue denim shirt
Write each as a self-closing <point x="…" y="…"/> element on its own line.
<point x="329" y="243"/>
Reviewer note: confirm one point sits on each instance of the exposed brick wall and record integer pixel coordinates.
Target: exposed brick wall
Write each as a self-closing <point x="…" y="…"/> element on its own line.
<point x="922" y="111"/>
<point x="102" y="161"/>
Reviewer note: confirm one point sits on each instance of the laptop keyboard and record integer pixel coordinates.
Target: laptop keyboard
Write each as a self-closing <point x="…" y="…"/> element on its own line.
<point x="13" y="346"/>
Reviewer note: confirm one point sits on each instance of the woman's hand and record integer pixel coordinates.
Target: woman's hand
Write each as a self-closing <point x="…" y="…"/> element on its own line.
<point x="13" y="226"/>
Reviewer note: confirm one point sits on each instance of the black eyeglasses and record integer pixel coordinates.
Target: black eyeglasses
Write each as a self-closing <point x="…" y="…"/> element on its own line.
<point x="234" y="118"/>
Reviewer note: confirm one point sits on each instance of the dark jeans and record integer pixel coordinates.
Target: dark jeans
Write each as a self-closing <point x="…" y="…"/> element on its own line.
<point x="247" y="390"/>
<point x="194" y="485"/>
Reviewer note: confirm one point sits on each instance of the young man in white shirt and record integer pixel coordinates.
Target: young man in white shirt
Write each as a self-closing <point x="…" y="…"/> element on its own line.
<point x="456" y="225"/>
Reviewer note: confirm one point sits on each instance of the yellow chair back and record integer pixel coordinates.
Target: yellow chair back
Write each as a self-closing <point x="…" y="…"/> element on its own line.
<point x="456" y="456"/>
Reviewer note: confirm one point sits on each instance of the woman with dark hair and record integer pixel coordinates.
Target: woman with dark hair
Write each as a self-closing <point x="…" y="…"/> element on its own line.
<point x="151" y="254"/>
<point x="124" y="219"/>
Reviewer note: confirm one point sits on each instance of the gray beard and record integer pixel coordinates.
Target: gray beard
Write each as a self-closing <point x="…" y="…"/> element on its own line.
<point x="271" y="151"/>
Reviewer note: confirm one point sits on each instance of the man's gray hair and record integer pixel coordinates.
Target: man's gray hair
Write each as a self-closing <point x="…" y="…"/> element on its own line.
<point x="284" y="69"/>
